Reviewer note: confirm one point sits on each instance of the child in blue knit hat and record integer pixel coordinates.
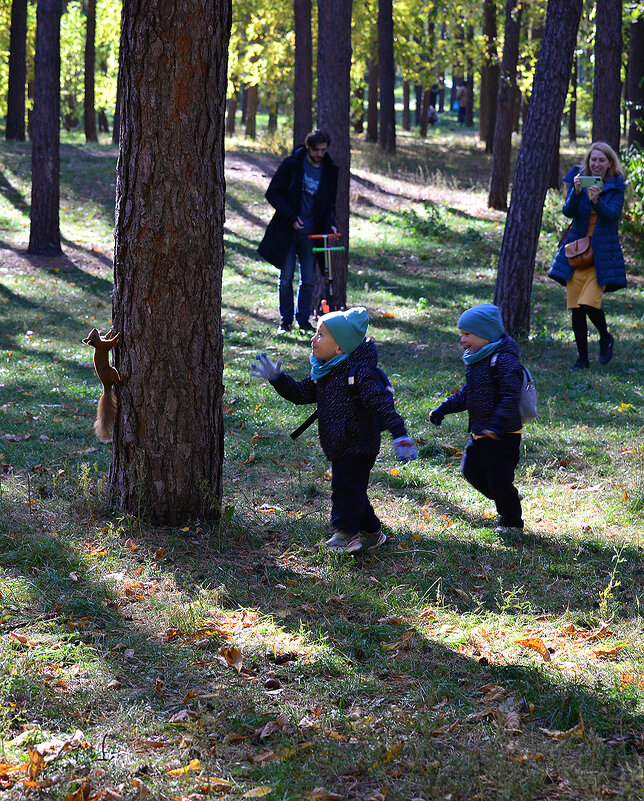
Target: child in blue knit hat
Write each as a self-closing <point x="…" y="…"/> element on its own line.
<point x="352" y="407"/>
<point x="491" y="397"/>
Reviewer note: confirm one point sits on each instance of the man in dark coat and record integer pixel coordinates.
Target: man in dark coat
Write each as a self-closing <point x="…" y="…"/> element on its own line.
<point x="302" y="192"/>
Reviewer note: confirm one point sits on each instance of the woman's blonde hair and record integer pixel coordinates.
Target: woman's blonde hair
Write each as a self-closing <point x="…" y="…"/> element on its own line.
<point x="614" y="165"/>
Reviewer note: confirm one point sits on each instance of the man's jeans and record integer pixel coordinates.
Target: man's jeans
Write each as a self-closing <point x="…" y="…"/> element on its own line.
<point x="302" y="251"/>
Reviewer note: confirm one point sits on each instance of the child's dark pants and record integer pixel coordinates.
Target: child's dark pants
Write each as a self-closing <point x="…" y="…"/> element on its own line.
<point x="351" y="511"/>
<point x="488" y="464"/>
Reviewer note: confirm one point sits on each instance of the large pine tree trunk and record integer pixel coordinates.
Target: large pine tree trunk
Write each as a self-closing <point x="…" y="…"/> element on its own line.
<point x="489" y="76"/>
<point x="636" y="83"/>
<point x="89" y="112"/>
<point x="44" y="234"/>
<point x="523" y="225"/>
<point x="607" y="87"/>
<point x="372" y="101"/>
<point x="502" y="147"/>
<point x="168" y="438"/>
<point x="303" y="75"/>
<point x="17" y="72"/>
<point x="386" y="74"/>
<point x="333" y="115"/>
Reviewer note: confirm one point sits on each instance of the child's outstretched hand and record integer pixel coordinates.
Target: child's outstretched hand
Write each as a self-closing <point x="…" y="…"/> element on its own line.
<point x="405" y="450"/>
<point x="436" y="417"/>
<point x="263" y="367"/>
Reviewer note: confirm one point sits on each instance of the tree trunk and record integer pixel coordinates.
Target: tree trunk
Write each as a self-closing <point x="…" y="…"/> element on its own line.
<point x="372" y="101"/>
<point x="554" y="181"/>
<point x="489" y="77"/>
<point x="523" y="225"/>
<point x="502" y="142"/>
<point x="231" y="109"/>
<point x="251" y="111"/>
<point x="303" y="75"/>
<point x="89" y="112"/>
<point x="333" y="115"/>
<point x="441" y="93"/>
<point x="44" y="234"/>
<point x="17" y="72"/>
<point x="168" y="260"/>
<point x="386" y="74"/>
<point x="469" y="116"/>
<point x="424" y="114"/>
<point x="636" y="83"/>
<point x="244" y="103"/>
<point x="572" y="112"/>
<point x="116" y="122"/>
<point x="418" y="93"/>
<point x="607" y="87"/>
<point x="272" y="117"/>
<point x="358" y="115"/>
<point x="406" y="114"/>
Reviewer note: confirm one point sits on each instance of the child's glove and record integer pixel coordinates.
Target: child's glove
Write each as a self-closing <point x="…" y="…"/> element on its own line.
<point x="405" y="450"/>
<point x="265" y="368"/>
<point x="436" y="417"/>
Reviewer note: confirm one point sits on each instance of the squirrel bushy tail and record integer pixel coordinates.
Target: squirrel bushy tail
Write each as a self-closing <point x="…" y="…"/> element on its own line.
<point x="107" y="405"/>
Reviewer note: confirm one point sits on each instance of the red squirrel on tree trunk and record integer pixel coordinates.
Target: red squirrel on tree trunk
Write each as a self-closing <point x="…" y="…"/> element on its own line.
<point x="108" y="375"/>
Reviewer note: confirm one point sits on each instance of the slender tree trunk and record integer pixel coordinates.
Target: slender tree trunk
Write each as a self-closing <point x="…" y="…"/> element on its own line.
<point x="636" y="83"/>
<point x="251" y="112"/>
<point x="607" y="87"/>
<point x="44" y="235"/>
<point x="424" y="114"/>
<point x="272" y="117"/>
<point x="441" y="93"/>
<point x="333" y="114"/>
<point x="244" y="103"/>
<point x="303" y="74"/>
<point x="418" y="94"/>
<point x="489" y="77"/>
<point x="89" y="112"/>
<point x="358" y="116"/>
<point x="406" y="115"/>
<point x="372" y="104"/>
<point x="521" y="235"/>
<point x="469" y="67"/>
<point x="168" y="260"/>
<point x="386" y="74"/>
<point x="17" y="72"/>
<point x="572" y="113"/>
<point x="502" y="147"/>
<point x="231" y="109"/>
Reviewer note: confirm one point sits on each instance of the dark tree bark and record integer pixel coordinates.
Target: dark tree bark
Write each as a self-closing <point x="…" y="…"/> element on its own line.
<point x="333" y="116"/>
<point x="406" y="114"/>
<point x="89" y="112"/>
<point x="372" y="101"/>
<point x="553" y="178"/>
<point x="502" y="142"/>
<point x="489" y="76"/>
<point x="521" y="235"/>
<point x="418" y="94"/>
<point x="17" y="72"/>
<point x="441" y="93"/>
<point x="244" y="103"/>
<point x="358" y="115"/>
<point x="424" y="114"/>
<point x="273" y="111"/>
<point x="469" y="116"/>
<point x="636" y="83"/>
<point x="251" y="111"/>
<point x="44" y="235"/>
<point x="607" y="87"/>
<point x="386" y="74"/>
<point x="168" y="260"/>
<point x="303" y="75"/>
<point x="231" y="111"/>
<point x="572" y="112"/>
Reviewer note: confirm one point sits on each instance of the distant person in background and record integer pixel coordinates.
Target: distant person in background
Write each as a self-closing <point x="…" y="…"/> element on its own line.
<point x="302" y="192"/>
<point x="594" y="211"/>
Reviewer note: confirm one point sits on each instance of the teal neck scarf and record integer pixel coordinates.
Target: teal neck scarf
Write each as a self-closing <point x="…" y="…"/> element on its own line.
<point x="319" y="368"/>
<point x="484" y="352"/>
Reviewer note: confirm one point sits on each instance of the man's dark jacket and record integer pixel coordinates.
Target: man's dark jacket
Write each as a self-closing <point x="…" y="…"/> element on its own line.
<point x="285" y="195"/>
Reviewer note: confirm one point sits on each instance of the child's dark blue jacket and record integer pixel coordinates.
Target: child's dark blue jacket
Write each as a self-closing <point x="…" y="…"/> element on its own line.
<point x="347" y="417"/>
<point x="491" y="399"/>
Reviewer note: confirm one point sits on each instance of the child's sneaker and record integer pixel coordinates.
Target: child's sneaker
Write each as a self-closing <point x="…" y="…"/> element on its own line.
<point x="373" y="540"/>
<point x="340" y="541"/>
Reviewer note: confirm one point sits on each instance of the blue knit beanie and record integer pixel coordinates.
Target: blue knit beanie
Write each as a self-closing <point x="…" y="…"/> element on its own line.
<point x="348" y="328"/>
<point x="483" y="320"/>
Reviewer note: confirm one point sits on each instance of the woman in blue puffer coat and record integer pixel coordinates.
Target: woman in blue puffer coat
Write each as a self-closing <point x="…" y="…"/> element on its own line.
<point x="594" y="212"/>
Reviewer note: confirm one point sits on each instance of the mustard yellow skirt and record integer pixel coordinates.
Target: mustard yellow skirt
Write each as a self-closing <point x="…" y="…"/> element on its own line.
<point x="583" y="290"/>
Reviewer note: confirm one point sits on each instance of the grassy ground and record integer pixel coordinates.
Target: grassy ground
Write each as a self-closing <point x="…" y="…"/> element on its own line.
<point x="243" y="662"/>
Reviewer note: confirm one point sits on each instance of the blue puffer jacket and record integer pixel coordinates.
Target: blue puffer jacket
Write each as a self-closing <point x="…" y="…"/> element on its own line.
<point x="491" y="400"/>
<point x="609" y="259"/>
<point x="347" y="418"/>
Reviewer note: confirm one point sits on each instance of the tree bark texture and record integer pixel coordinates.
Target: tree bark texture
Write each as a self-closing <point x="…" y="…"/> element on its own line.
<point x="418" y="94"/>
<point x="303" y="72"/>
<point x="636" y="83"/>
<point x="17" y="72"/>
<point x="523" y="225"/>
<point x="502" y="147"/>
<point x="44" y="234"/>
<point x="231" y="111"/>
<point x="607" y="86"/>
<point x="469" y="64"/>
<point x="89" y="112"/>
<point x="169" y="254"/>
<point x="489" y="76"/>
<point x="406" y="114"/>
<point x="572" y="111"/>
<point x="372" y="101"/>
<point x="252" y="93"/>
<point x="386" y="76"/>
<point x="333" y="115"/>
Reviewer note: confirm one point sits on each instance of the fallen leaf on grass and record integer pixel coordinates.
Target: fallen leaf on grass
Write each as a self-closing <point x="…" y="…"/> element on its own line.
<point x="536" y="644"/>
<point x="512" y="721"/>
<point x="129" y="543"/>
<point x="322" y="794"/>
<point x="258" y="792"/>
<point x="231" y="656"/>
<point x="279" y="724"/>
<point x="250" y="459"/>
<point x="484" y="714"/>
<point x="81" y="794"/>
<point x="555" y="734"/>
<point x="604" y="651"/>
<point x="194" y="764"/>
<point x="266" y="755"/>
<point x="159" y="554"/>
<point x="445" y="730"/>
<point x="392" y="619"/>
<point x="22" y="639"/>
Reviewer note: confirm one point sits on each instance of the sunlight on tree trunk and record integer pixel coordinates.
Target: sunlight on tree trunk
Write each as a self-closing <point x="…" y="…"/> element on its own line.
<point x="607" y="86"/>
<point x="89" y="112"/>
<point x="17" y="72"/>
<point x="303" y="72"/>
<point x="386" y="69"/>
